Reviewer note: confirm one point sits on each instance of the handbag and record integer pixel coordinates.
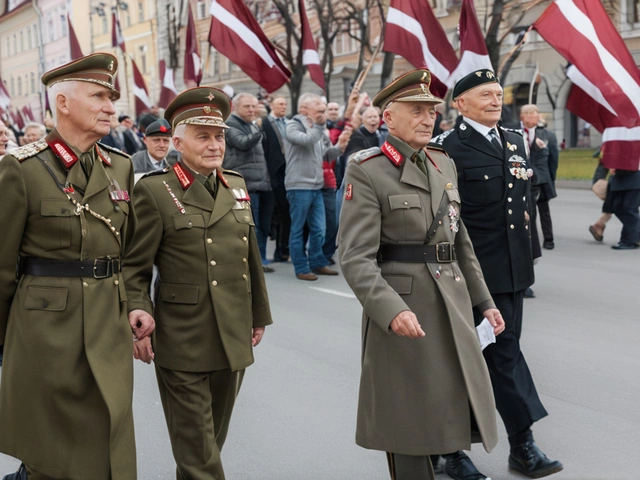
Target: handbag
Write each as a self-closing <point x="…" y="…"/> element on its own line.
<point x="600" y="188"/>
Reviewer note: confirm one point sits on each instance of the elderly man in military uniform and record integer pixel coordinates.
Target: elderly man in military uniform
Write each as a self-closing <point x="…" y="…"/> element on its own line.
<point x="157" y="138"/>
<point x="494" y="177"/>
<point x="406" y="254"/>
<point x="211" y="304"/>
<point x="67" y="378"/>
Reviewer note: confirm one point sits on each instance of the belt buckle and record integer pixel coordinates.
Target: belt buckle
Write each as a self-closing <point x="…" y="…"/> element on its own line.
<point x="107" y="272"/>
<point x="444" y="252"/>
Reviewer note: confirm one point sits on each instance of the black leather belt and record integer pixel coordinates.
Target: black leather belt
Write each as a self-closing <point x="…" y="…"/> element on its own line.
<point x="440" y="253"/>
<point x="97" y="268"/>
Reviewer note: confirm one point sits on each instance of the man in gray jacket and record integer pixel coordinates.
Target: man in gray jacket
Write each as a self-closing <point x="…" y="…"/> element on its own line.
<point x="306" y="147"/>
<point x="245" y="155"/>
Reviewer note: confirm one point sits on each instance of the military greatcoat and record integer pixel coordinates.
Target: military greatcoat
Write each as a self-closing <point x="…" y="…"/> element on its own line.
<point x="416" y="395"/>
<point x="67" y="376"/>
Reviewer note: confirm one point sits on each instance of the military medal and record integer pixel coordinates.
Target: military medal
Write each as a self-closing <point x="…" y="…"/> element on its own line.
<point x="454" y="217"/>
<point x="243" y="201"/>
<point x="116" y="193"/>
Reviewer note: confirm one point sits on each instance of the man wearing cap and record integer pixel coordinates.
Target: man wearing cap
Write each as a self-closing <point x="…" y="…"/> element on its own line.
<point x="406" y="254"/>
<point x="67" y="378"/>
<point x="494" y="177"/>
<point x="128" y="136"/>
<point x="157" y="138"/>
<point x="211" y="303"/>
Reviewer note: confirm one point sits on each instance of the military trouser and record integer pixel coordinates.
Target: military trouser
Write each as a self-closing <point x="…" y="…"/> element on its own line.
<point x="197" y="408"/>
<point x="410" y="467"/>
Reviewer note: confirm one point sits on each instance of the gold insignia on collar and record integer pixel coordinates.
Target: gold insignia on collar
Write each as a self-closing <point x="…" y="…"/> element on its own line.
<point x="206" y="109"/>
<point x="211" y="96"/>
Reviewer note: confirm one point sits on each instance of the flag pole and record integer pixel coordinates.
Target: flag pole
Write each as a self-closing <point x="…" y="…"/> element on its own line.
<point x="363" y="75"/>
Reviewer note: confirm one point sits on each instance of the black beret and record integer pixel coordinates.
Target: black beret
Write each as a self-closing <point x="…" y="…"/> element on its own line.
<point x="474" y="79"/>
<point x="159" y="128"/>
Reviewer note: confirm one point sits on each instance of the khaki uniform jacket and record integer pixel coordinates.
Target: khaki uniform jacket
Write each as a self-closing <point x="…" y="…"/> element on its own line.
<point x="67" y="376"/>
<point x="212" y="290"/>
<point x="416" y="395"/>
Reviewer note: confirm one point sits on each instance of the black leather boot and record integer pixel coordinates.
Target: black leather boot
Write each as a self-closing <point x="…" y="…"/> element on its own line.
<point x="460" y="467"/>
<point x="528" y="459"/>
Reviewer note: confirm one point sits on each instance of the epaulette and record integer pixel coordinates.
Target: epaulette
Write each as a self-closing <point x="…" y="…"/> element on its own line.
<point x="156" y="172"/>
<point x="440" y="138"/>
<point x="114" y="150"/>
<point x="519" y="131"/>
<point x="29" y="150"/>
<point x="232" y="172"/>
<point x="364" y="155"/>
<point x="437" y="148"/>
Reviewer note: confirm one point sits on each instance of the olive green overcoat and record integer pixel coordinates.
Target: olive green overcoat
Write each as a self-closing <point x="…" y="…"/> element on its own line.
<point x="67" y="374"/>
<point x="416" y="395"/>
<point x="211" y="291"/>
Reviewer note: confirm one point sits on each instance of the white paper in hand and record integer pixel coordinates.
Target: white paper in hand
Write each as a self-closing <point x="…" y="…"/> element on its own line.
<point x="486" y="336"/>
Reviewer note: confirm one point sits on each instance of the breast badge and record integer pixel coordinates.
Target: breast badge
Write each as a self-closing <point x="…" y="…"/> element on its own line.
<point x="454" y="219"/>
<point x="243" y="202"/>
<point x="517" y="167"/>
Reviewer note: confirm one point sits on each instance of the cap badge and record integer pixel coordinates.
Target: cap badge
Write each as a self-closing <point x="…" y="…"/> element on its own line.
<point x="479" y="74"/>
<point x="424" y="77"/>
<point x="163" y="129"/>
<point x="425" y="90"/>
<point x="490" y="75"/>
<point x="211" y="96"/>
<point x="206" y="109"/>
<point x="110" y="67"/>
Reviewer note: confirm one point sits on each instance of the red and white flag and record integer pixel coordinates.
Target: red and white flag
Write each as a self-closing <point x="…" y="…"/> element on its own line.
<point x="414" y="32"/>
<point x="310" y="56"/>
<point x="621" y="144"/>
<point x="192" y="73"/>
<point x="473" y="49"/>
<point x="581" y="31"/>
<point x="117" y="39"/>
<point x="168" y="89"/>
<point x="18" y="121"/>
<point x="140" y="90"/>
<point x="74" y="44"/>
<point x="5" y="98"/>
<point x="238" y="36"/>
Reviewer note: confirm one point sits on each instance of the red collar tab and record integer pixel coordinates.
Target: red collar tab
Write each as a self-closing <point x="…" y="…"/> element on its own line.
<point x="392" y="154"/>
<point x="222" y="179"/>
<point x="106" y="159"/>
<point x="184" y="176"/>
<point x="63" y="152"/>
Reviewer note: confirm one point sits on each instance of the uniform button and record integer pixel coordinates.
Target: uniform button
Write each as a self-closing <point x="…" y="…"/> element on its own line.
<point x="457" y="278"/>
<point x="510" y="211"/>
<point x="512" y="227"/>
<point x="511" y="185"/>
<point x="214" y="283"/>
<point x="190" y="223"/>
<point x="209" y="240"/>
<point x="244" y="239"/>
<point x="486" y="177"/>
<point x="244" y="260"/>
<point x="116" y="282"/>
<point x="524" y="199"/>
<point x="526" y="227"/>
<point x="244" y="276"/>
<point x="406" y="203"/>
<point x="85" y="284"/>
<point x="509" y="199"/>
<point x="213" y="263"/>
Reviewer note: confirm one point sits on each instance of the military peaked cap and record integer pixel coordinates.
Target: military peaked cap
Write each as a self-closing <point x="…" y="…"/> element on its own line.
<point x="199" y="106"/>
<point x="99" y="68"/>
<point x="413" y="86"/>
<point x="473" y="80"/>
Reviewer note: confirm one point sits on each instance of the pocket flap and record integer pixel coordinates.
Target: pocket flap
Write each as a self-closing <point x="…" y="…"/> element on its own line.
<point x="484" y="173"/>
<point x="400" y="283"/>
<point x="243" y="216"/>
<point x="179" y="293"/>
<point x="188" y="221"/>
<point x="409" y="200"/>
<point x="53" y="299"/>
<point x="56" y="208"/>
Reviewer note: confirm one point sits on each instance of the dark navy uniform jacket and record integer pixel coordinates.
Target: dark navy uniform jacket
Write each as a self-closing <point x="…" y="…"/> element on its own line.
<point x="494" y="188"/>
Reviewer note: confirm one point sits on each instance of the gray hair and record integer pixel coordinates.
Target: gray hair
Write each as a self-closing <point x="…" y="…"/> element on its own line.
<point x="236" y="100"/>
<point x="42" y="130"/>
<point x="179" y="130"/>
<point x="61" y="88"/>
<point x="307" y="98"/>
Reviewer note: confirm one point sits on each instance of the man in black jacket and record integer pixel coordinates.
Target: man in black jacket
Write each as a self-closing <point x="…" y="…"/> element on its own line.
<point x="245" y="155"/>
<point x="494" y="182"/>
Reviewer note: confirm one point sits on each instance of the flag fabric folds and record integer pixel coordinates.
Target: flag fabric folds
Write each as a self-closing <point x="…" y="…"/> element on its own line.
<point x="237" y="35"/>
<point x="74" y="44"/>
<point x="581" y="31"/>
<point x="310" y="56"/>
<point x="473" y="49"/>
<point x="117" y="39"/>
<point x="5" y="98"/>
<point x="140" y="90"/>
<point x="168" y="89"/>
<point x="192" y="72"/>
<point x="414" y="32"/>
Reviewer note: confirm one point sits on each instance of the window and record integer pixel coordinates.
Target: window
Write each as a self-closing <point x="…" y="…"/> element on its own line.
<point x="140" y="12"/>
<point x="29" y="39"/>
<point x="125" y="18"/>
<point x="8" y="51"/>
<point x="19" y="85"/>
<point x="344" y="43"/>
<point x="35" y="35"/>
<point x="13" y="87"/>
<point x="50" y="26"/>
<point x="104" y="24"/>
<point x="26" y="85"/>
<point x="33" y="82"/>
<point x="15" y="44"/>
<point x="64" y="25"/>
<point x="201" y="10"/>
<point x="142" y="49"/>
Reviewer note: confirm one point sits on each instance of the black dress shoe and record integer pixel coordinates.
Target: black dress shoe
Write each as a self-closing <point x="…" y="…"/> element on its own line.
<point x="625" y="246"/>
<point x="528" y="293"/>
<point x="21" y="474"/>
<point x="548" y="245"/>
<point x="528" y="459"/>
<point x="460" y="467"/>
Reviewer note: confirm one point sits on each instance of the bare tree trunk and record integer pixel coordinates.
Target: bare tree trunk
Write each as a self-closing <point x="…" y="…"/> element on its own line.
<point x="387" y="69"/>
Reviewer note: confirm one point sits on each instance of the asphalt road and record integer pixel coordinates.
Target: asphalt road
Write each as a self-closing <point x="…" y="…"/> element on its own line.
<point x="295" y="416"/>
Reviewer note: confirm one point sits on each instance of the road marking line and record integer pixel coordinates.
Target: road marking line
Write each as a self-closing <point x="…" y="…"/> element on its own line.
<point x="333" y="292"/>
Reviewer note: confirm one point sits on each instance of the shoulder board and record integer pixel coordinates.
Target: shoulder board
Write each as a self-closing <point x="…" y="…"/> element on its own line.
<point x="519" y="131"/>
<point x="364" y="155"/>
<point x="156" y="172"/>
<point x="29" y="150"/>
<point x="232" y="172"/>
<point x="109" y="148"/>
<point x="437" y="148"/>
<point x="440" y="138"/>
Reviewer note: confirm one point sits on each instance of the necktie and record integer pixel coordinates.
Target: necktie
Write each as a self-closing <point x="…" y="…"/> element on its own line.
<point x="211" y="185"/>
<point x="419" y="161"/>
<point x="86" y="159"/>
<point x="281" y="126"/>
<point x="495" y="141"/>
